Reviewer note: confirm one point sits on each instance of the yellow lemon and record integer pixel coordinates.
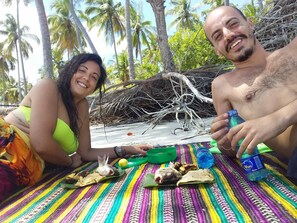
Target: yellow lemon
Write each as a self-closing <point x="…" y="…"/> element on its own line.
<point x="123" y="162"/>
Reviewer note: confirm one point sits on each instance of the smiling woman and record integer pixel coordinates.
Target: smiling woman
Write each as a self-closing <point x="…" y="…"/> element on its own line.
<point x="51" y="114"/>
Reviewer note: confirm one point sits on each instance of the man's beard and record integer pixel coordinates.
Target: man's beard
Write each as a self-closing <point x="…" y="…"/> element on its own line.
<point x="246" y="54"/>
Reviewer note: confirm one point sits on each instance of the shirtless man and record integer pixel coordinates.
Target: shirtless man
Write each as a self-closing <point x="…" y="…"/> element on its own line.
<point x="262" y="87"/>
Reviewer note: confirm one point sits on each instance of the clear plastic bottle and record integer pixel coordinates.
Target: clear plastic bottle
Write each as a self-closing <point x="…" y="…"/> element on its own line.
<point x="251" y="163"/>
<point x="205" y="158"/>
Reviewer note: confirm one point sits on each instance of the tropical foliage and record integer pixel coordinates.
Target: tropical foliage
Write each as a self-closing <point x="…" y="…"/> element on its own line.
<point x="154" y="48"/>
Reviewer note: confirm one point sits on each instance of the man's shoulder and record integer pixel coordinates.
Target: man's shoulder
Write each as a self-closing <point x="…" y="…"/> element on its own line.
<point x="290" y="46"/>
<point x="222" y="81"/>
<point x="224" y="76"/>
<point x="288" y="50"/>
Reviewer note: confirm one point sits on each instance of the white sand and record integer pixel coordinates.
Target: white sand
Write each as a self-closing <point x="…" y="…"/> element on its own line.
<point x="162" y="134"/>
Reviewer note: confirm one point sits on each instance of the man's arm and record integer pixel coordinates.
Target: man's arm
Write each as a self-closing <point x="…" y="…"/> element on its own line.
<point x="219" y="127"/>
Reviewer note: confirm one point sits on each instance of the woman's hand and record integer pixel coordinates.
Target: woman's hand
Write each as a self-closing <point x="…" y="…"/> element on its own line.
<point x="76" y="160"/>
<point x="136" y="149"/>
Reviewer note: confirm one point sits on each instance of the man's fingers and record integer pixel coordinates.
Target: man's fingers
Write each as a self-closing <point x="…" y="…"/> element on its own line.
<point x="216" y="126"/>
<point x="217" y="135"/>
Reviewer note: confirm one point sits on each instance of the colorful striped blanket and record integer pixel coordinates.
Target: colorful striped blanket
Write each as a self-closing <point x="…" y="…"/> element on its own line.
<point x="232" y="198"/>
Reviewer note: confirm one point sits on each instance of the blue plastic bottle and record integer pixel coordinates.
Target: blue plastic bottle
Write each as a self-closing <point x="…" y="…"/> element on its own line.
<point x="252" y="164"/>
<point x="205" y="158"/>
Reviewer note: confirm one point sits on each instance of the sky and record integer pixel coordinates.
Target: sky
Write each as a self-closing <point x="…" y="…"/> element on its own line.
<point x="29" y="17"/>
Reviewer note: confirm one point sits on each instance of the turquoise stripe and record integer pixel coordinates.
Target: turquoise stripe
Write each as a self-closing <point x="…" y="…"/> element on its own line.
<point x="98" y="201"/>
<point x="280" y="193"/>
<point x="39" y="201"/>
<point x="120" y="195"/>
<point x="215" y="204"/>
<point x="220" y="185"/>
<point x="160" y="213"/>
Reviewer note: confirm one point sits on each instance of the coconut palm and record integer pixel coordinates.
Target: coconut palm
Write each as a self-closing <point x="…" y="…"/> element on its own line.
<point x="46" y="42"/>
<point x="105" y="14"/>
<point x="8" y="3"/>
<point x="80" y="26"/>
<point x="166" y="54"/>
<point x="141" y="30"/>
<point x="7" y="62"/>
<point x="9" y="29"/>
<point x="129" y="40"/>
<point x="62" y="28"/>
<point x="11" y="94"/>
<point x="185" y="16"/>
<point x="152" y="54"/>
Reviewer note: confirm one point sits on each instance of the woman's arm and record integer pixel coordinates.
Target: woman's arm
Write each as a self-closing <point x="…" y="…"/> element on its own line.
<point x="90" y="154"/>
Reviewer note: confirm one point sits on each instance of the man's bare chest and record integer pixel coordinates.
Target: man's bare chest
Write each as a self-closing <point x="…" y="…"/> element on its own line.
<point x="279" y="77"/>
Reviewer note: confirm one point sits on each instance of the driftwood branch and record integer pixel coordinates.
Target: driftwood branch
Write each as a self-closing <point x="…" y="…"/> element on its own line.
<point x="189" y="84"/>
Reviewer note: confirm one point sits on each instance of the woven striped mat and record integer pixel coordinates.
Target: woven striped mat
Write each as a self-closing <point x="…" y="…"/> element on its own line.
<point x="232" y="198"/>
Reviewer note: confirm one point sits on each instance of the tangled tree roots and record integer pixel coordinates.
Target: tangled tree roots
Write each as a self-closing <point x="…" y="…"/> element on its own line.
<point x="157" y="98"/>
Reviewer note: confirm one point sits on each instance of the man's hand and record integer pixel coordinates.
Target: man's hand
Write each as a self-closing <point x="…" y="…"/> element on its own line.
<point x="219" y="130"/>
<point x="253" y="132"/>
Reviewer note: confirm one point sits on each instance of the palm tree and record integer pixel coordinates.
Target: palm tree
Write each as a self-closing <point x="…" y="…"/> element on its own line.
<point x="11" y="42"/>
<point x="252" y="12"/>
<point x="46" y="42"/>
<point x="152" y="54"/>
<point x="7" y="62"/>
<point x="141" y="32"/>
<point x="62" y="29"/>
<point x="213" y="4"/>
<point x="129" y="40"/>
<point x="166" y="54"/>
<point x="185" y="16"/>
<point x="124" y="66"/>
<point x="8" y="3"/>
<point x="81" y="27"/>
<point x="106" y="15"/>
<point x="11" y="93"/>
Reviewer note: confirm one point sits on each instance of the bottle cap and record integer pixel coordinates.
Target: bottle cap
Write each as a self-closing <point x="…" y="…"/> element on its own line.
<point x="232" y="112"/>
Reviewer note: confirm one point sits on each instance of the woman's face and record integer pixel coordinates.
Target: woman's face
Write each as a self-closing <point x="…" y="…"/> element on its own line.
<point x="84" y="80"/>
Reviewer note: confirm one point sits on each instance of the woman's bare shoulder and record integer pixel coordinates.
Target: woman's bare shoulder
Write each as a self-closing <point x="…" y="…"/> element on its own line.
<point x="47" y="83"/>
<point x="43" y="90"/>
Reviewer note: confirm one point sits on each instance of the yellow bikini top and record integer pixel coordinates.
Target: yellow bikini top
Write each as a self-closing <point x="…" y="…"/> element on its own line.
<point x="62" y="134"/>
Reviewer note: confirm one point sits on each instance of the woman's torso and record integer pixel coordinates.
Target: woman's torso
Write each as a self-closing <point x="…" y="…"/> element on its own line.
<point x="63" y="134"/>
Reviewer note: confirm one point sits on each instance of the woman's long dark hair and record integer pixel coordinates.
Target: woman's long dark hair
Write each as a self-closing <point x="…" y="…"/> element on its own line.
<point x="65" y="76"/>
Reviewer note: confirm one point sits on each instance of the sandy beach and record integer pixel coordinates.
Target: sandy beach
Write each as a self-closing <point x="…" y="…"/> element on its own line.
<point x="165" y="133"/>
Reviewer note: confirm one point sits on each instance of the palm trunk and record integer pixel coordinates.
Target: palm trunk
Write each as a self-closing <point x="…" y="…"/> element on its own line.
<point x="46" y="42"/>
<point x="81" y="27"/>
<point x="166" y="54"/>
<point x="129" y="42"/>
<point x="115" y="48"/>
<point x="20" y="49"/>
<point x="19" y="75"/>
